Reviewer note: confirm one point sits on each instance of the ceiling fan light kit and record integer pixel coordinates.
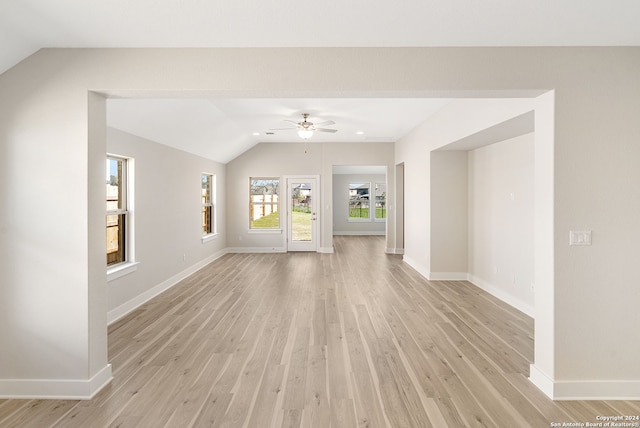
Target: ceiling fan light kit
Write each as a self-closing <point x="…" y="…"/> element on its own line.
<point x="305" y="134"/>
<point x="306" y="129"/>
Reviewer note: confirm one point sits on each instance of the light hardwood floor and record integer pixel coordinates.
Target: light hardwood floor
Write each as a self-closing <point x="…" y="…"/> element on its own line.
<point x="351" y="339"/>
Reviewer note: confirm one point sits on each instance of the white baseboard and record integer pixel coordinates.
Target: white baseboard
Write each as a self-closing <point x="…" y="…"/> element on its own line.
<point x="326" y="250"/>
<point x="448" y="276"/>
<point x="597" y="390"/>
<point x="360" y="232"/>
<point x="464" y="276"/>
<point x="48" y="389"/>
<point x="233" y="250"/>
<point x="398" y="251"/>
<point x="541" y="380"/>
<point x="416" y="266"/>
<point x="124" y="309"/>
<point x="585" y="390"/>
<point x="502" y="295"/>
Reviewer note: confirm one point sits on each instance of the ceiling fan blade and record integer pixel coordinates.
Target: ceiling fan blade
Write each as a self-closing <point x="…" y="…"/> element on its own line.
<point x="291" y="121"/>
<point x="325" y="130"/>
<point x="282" y="129"/>
<point x="327" y="122"/>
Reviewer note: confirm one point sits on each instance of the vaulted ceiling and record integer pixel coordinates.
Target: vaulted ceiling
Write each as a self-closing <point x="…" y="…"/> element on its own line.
<point x="221" y="129"/>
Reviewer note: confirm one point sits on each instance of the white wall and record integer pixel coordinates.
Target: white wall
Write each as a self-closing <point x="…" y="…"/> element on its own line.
<point x="482" y="218"/>
<point x="53" y="293"/>
<point x="501" y="220"/>
<point x="455" y="121"/>
<point x="341" y="223"/>
<point x="168" y="242"/>
<point x="264" y="160"/>
<point x="449" y="214"/>
<point x="279" y="160"/>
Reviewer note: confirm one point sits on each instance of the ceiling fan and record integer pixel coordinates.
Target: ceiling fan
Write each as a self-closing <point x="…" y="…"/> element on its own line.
<point x="305" y="128"/>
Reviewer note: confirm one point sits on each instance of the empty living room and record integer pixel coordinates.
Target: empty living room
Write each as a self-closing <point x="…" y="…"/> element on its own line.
<point x="319" y="215"/>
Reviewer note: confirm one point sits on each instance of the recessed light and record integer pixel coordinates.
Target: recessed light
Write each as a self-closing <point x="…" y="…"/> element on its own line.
<point x="360" y="133"/>
<point x="256" y="133"/>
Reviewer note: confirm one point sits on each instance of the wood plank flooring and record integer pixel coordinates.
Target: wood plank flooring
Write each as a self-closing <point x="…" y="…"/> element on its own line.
<point x="351" y="339"/>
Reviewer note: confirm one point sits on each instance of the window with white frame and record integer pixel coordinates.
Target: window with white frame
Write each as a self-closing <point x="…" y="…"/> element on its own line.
<point x="359" y="203"/>
<point x="117" y="204"/>
<point x="208" y="204"/>
<point x="264" y="203"/>
<point x="380" y="192"/>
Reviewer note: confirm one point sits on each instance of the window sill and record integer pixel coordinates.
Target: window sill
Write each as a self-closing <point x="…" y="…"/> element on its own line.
<point x="120" y="270"/>
<point x="359" y="220"/>
<point x="209" y="237"/>
<point x="266" y="231"/>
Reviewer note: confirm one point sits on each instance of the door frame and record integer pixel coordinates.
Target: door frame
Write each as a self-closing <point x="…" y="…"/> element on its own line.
<point x="314" y="246"/>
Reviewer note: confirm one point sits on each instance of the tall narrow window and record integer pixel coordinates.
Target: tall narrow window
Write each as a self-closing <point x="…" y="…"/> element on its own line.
<point x="263" y="203"/>
<point x="117" y="210"/>
<point x="381" y="201"/>
<point x="208" y="204"/>
<point x="359" y="201"/>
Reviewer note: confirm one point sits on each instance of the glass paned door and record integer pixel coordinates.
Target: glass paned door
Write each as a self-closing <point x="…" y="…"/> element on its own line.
<point x="303" y="214"/>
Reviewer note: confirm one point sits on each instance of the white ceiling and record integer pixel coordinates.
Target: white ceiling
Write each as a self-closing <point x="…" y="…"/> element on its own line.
<point x="28" y="25"/>
<point x="221" y="129"/>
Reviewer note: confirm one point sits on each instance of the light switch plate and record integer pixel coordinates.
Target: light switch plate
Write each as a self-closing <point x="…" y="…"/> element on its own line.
<point x="580" y="237"/>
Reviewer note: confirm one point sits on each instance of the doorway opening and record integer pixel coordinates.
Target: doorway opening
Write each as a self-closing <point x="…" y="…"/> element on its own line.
<point x="360" y="203"/>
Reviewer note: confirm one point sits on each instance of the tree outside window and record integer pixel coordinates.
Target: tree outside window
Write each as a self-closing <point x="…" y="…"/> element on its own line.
<point x="381" y="201"/>
<point x="359" y="201"/>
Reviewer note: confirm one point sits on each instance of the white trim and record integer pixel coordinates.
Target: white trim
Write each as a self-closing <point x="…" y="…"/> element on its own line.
<point x="463" y="276"/>
<point x="416" y="266"/>
<point x="399" y="251"/>
<point x="359" y="220"/>
<point x="360" y="232"/>
<point x="597" y="390"/>
<point x="448" y="276"/>
<point x="585" y="390"/>
<point x="326" y="250"/>
<point x="121" y="269"/>
<point x="58" y="389"/>
<point x="124" y="309"/>
<point x="209" y="237"/>
<point x="525" y="307"/>
<point x="256" y="250"/>
<point x="541" y="380"/>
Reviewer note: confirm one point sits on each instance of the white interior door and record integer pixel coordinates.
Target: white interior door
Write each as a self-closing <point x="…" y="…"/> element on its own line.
<point x="302" y="213"/>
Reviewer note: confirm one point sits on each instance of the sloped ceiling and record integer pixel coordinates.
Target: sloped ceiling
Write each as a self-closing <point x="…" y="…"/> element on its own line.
<point x="221" y="129"/>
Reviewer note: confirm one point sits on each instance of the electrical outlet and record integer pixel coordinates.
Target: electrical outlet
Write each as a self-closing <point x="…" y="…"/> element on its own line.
<point x="579" y="237"/>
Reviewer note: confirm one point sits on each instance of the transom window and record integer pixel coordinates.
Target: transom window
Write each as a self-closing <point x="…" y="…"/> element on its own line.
<point x="264" y="203"/>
